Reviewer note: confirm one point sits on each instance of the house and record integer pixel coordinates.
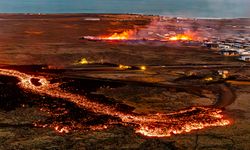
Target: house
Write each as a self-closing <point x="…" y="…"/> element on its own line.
<point x="223" y="46"/>
<point x="244" y="58"/>
<point x="229" y="52"/>
<point x="245" y="52"/>
<point x="210" y="45"/>
<point x="237" y="45"/>
<point x="247" y="45"/>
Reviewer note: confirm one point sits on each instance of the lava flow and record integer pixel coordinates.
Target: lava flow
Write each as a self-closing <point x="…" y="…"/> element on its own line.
<point x="129" y="35"/>
<point x="180" y="37"/>
<point x="125" y="35"/>
<point x="157" y="125"/>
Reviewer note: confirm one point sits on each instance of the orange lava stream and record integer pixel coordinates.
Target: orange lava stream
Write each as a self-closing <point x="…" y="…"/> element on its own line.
<point x="157" y="125"/>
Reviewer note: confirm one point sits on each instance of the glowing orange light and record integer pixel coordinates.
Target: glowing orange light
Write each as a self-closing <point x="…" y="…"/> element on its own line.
<point x="180" y="37"/>
<point x="125" y="35"/>
<point x="61" y="129"/>
<point x="143" y="68"/>
<point x="124" y="66"/>
<point x="83" y="61"/>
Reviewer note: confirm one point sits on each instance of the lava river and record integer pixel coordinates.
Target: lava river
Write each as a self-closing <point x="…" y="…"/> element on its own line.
<point x="156" y="125"/>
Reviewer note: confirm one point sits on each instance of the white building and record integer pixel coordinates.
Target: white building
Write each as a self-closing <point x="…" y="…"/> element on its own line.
<point x="245" y="53"/>
<point x="245" y="58"/>
<point x="222" y="46"/>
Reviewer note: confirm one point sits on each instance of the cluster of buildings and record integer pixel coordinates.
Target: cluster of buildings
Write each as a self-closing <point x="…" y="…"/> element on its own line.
<point x="239" y="47"/>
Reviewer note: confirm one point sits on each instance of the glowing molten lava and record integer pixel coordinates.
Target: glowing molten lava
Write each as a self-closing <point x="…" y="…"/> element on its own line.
<point x="158" y="125"/>
<point x="182" y="122"/>
<point x="125" y="35"/>
<point x="180" y="37"/>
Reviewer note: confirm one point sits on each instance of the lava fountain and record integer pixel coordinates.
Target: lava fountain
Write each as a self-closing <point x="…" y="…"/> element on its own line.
<point x="156" y="125"/>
